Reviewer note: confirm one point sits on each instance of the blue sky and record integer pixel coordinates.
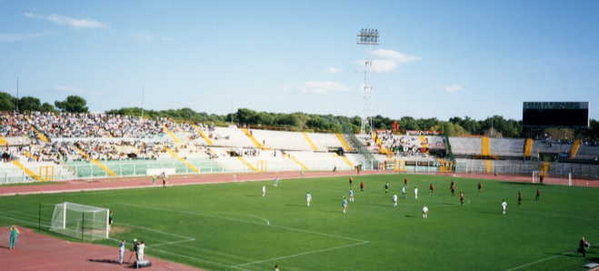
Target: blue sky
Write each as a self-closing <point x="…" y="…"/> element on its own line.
<point x="436" y="58"/>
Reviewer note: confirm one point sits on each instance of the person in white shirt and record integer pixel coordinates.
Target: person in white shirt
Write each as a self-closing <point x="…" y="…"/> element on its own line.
<point x="416" y="192"/>
<point x="140" y="251"/>
<point x="308" y="199"/>
<point x="394" y="198"/>
<point x="503" y="207"/>
<point x="122" y="251"/>
<point x="264" y="191"/>
<point x="351" y="195"/>
<point x="425" y="212"/>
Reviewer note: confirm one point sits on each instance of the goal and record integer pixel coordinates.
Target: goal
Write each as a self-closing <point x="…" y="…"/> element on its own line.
<point x="536" y="177"/>
<point x="80" y="221"/>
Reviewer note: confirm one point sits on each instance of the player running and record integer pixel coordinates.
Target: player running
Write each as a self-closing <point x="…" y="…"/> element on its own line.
<point x="395" y="199"/>
<point x="362" y="186"/>
<point x="519" y="198"/>
<point x="351" y="195"/>
<point x="264" y="191"/>
<point x="404" y="194"/>
<point x="416" y="192"/>
<point x="308" y="199"/>
<point x="344" y="205"/>
<point x="425" y="211"/>
<point x="461" y="198"/>
<point x="387" y="185"/>
<point x="503" y="206"/>
<point x="480" y="187"/>
<point x="538" y="194"/>
<point x="431" y="188"/>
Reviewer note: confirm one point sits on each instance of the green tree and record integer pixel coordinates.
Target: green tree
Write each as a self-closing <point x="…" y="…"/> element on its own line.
<point x="29" y="103"/>
<point x="46" y="107"/>
<point x="72" y="104"/>
<point x="7" y="102"/>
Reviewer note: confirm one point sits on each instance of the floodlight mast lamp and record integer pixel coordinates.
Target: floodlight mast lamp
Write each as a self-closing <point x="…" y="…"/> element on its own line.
<point x="370" y="38"/>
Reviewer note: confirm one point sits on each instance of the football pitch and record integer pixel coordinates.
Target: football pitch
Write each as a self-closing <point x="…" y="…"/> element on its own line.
<point x="230" y="226"/>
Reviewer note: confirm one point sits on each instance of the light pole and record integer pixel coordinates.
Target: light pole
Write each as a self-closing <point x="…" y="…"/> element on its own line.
<point x="370" y="38"/>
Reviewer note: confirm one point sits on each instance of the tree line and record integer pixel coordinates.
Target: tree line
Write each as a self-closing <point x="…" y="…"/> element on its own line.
<point x="299" y="121"/>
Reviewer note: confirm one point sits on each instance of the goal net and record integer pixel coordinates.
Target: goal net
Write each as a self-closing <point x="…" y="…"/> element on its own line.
<point x="80" y="221"/>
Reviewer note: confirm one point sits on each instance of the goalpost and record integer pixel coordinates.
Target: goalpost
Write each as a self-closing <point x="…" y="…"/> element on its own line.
<point x="536" y="176"/>
<point x="80" y="221"/>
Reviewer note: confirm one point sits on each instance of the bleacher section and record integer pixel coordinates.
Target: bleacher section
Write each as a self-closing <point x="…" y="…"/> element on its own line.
<point x="97" y="145"/>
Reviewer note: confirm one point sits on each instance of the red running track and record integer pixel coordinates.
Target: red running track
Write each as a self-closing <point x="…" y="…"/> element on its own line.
<point x="37" y="252"/>
<point x="140" y="182"/>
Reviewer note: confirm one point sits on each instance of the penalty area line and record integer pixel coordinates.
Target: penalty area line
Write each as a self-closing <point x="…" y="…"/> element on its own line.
<point x="303" y="253"/>
<point x="532" y="263"/>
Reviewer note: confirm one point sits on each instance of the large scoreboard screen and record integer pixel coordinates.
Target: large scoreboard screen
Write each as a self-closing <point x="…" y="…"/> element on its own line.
<point x="556" y="114"/>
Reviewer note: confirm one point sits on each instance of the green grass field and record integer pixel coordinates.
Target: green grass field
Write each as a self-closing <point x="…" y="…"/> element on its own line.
<point x="231" y="227"/>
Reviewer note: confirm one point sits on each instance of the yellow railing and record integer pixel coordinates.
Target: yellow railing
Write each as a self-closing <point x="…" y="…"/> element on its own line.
<point x="344" y="143"/>
<point x="485" y="146"/>
<point x="27" y="171"/>
<point x="528" y="147"/>
<point x="252" y="138"/>
<point x="574" y="149"/>
<point x="189" y="165"/>
<point x="173" y="136"/>
<point x="297" y="162"/>
<point x="96" y="162"/>
<point x="203" y="135"/>
<point x="310" y="141"/>
<point x="248" y="164"/>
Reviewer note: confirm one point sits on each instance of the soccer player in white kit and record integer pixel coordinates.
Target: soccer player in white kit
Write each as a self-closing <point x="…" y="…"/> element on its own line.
<point x="394" y="198"/>
<point x="264" y="190"/>
<point x="140" y="251"/>
<point x="121" y="251"/>
<point x="351" y="195"/>
<point x="344" y="205"/>
<point x="415" y="192"/>
<point x="425" y="212"/>
<point x="503" y="206"/>
<point x="403" y="192"/>
<point x="308" y="199"/>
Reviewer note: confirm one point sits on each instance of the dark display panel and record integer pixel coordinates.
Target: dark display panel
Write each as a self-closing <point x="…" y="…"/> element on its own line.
<point x="555" y="114"/>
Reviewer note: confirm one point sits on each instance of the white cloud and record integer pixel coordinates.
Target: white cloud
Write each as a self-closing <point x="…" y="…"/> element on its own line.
<point x="333" y="70"/>
<point x="12" y="37"/>
<point x="452" y="88"/>
<point x="67" y="21"/>
<point x="386" y="60"/>
<point x="322" y="87"/>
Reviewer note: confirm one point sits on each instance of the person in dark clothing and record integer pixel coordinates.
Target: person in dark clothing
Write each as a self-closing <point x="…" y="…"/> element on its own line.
<point x="583" y="246"/>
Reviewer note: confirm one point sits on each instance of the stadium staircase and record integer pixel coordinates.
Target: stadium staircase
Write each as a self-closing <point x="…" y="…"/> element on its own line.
<point x="356" y="144"/>
<point x="248" y="164"/>
<point x="252" y="138"/>
<point x="187" y="164"/>
<point x="310" y="141"/>
<point x="346" y="146"/>
<point x="96" y="162"/>
<point x="297" y="162"/>
<point x="172" y="135"/>
<point x="203" y="135"/>
<point x="27" y="171"/>
<point x="574" y="149"/>
<point x="528" y="148"/>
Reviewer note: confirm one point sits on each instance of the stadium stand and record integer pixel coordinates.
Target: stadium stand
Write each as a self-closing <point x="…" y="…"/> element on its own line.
<point x="47" y="146"/>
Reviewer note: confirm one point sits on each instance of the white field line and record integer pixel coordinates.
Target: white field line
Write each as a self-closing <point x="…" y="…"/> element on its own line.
<point x="303" y="253"/>
<point x="531" y="263"/>
<point x="247" y="222"/>
<point x="159" y="250"/>
<point x="199" y="259"/>
<point x="177" y="184"/>
<point x="216" y="252"/>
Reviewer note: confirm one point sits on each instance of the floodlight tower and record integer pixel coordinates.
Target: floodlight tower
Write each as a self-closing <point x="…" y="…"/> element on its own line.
<point x="370" y="38"/>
